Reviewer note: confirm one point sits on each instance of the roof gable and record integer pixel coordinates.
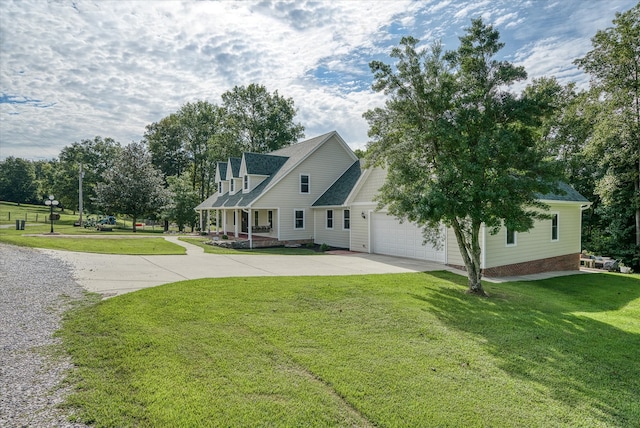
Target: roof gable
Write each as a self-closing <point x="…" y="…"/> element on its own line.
<point x="233" y="168"/>
<point x="221" y="171"/>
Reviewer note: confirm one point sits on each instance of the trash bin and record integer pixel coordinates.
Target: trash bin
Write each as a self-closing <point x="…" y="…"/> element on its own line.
<point x="22" y="222"/>
<point x="17" y="224"/>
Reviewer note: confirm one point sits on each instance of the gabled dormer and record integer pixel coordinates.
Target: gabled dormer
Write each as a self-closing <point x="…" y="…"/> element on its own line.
<point x="233" y="175"/>
<point x="221" y="178"/>
<point x="256" y="168"/>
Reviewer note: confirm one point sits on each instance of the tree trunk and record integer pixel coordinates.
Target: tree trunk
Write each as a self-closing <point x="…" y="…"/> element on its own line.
<point x="470" y="250"/>
<point x="134" y="224"/>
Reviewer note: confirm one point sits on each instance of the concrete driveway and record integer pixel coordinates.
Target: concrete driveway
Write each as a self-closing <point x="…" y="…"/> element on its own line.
<point x="117" y="274"/>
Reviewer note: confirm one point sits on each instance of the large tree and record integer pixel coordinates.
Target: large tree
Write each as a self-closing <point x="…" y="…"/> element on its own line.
<point x="182" y="201"/>
<point x="17" y="180"/>
<point x="133" y="186"/>
<point x="261" y="122"/>
<point x="96" y="156"/>
<point x="459" y="148"/>
<point x="614" y="140"/>
<point x="165" y="142"/>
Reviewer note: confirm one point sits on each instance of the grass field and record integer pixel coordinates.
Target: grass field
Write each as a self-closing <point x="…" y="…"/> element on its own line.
<point x="377" y="350"/>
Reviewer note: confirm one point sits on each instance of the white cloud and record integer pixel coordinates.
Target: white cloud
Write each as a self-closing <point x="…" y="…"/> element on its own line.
<point x="112" y="67"/>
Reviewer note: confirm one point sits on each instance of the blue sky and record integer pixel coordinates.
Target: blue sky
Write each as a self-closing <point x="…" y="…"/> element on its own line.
<point x="71" y="70"/>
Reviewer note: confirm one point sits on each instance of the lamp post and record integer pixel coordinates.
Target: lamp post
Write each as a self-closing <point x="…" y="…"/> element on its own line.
<point x="51" y="202"/>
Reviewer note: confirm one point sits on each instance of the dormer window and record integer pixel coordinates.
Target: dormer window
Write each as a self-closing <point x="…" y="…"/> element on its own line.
<point x="232" y="185"/>
<point x="246" y="182"/>
<point x="304" y="183"/>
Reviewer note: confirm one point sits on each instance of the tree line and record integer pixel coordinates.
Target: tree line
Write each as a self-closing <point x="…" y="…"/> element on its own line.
<point x="461" y="147"/>
<point x="167" y="173"/>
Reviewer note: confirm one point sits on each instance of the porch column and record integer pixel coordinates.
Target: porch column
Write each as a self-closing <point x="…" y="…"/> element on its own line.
<point x="250" y="230"/>
<point x="224" y="222"/>
<point x="237" y="220"/>
<point x="208" y="222"/>
<point x="200" y="212"/>
<point x="217" y="222"/>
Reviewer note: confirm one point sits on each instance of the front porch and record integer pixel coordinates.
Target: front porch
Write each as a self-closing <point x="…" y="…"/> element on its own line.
<point x="243" y="241"/>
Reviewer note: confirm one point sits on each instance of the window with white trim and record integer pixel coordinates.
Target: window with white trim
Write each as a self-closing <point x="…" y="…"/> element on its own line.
<point x="511" y="237"/>
<point x="246" y="182"/>
<point x="346" y="216"/>
<point x="329" y="219"/>
<point x="232" y="186"/>
<point x="305" y="183"/>
<point x="298" y="219"/>
<point x="555" y="235"/>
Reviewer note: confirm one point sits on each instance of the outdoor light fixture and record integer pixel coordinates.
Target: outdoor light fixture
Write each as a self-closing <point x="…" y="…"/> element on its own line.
<point x="363" y="215"/>
<point x="51" y="202"/>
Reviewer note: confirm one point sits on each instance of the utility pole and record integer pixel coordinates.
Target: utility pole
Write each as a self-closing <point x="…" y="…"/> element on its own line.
<point x="80" y="193"/>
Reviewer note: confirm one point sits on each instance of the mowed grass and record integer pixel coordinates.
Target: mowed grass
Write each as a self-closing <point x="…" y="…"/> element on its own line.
<point x="128" y="246"/>
<point x="378" y="350"/>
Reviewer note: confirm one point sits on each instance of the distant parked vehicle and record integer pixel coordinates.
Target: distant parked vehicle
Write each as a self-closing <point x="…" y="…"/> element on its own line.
<point x="108" y="220"/>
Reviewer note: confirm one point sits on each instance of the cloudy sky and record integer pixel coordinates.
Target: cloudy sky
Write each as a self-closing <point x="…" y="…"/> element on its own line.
<point x="71" y="70"/>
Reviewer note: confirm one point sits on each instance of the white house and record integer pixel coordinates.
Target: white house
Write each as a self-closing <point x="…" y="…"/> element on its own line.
<point x="317" y="191"/>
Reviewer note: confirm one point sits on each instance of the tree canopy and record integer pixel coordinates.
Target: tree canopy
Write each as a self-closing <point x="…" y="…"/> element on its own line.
<point x="17" y="180"/>
<point x="459" y="148"/>
<point x="611" y="141"/>
<point x="261" y="122"/>
<point x="133" y="186"/>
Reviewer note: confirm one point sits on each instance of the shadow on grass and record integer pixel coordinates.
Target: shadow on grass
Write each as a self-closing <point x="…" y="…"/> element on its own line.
<point x="544" y="333"/>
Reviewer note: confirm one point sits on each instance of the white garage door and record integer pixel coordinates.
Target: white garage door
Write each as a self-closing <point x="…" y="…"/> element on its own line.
<point x="390" y="237"/>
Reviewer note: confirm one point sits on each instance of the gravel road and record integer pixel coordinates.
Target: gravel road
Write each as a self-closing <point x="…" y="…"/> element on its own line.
<point x="35" y="290"/>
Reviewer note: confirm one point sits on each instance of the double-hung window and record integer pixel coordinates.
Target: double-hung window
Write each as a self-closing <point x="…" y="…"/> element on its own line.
<point x="298" y="222"/>
<point x="232" y="185"/>
<point x="554" y="228"/>
<point x="329" y="219"/>
<point x="246" y="182"/>
<point x="511" y="237"/>
<point x="305" y="183"/>
<point x="347" y="219"/>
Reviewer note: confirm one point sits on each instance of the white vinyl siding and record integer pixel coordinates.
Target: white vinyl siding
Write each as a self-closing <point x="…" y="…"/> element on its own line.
<point x="323" y="166"/>
<point x="535" y="244"/>
<point x="336" y="237"/>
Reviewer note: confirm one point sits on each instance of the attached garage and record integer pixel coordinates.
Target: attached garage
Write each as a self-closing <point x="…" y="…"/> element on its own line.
<point x="390" y="237"/>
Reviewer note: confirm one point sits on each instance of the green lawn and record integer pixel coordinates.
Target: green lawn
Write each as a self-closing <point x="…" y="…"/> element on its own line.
<point x="377" y="350"/>
<point x="138" y="246"/>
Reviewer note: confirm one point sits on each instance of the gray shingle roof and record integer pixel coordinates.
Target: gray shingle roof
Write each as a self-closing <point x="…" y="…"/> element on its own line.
<point x="568" y="194"/>
<point x="339" y="191"/>
<point x="235" y="166"/>
<point x="263" y="164"/>
<point x="222" y="167"/>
